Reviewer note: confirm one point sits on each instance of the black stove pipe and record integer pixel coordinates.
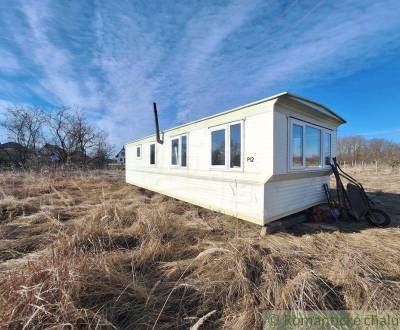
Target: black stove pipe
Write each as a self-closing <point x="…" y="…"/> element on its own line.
<point x="159" y="140"/>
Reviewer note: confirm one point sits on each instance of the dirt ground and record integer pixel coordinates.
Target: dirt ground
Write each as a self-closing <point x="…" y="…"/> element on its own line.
<point x="85" y="249"/>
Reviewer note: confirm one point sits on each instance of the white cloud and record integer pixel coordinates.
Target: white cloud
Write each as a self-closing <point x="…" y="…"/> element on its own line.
<point x="335" y="45"/>
<point x="194" y="60"/>
<point x="59" y="80"/>
<point x="8" y="62"/>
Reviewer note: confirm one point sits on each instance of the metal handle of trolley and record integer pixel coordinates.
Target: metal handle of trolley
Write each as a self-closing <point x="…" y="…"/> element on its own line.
<point x="352" y="202"/>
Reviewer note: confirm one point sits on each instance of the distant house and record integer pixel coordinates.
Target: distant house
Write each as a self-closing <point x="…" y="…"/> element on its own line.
<point x="51" y="153"/>
<point x="120" y="157"/>
<point x="12" y="154"/>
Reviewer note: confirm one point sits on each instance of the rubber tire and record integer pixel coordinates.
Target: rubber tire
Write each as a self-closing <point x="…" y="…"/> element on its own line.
<point x="382" y="214"/>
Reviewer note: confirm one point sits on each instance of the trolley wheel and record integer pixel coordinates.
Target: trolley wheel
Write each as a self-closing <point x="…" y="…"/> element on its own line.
<point x="378" y="218"/>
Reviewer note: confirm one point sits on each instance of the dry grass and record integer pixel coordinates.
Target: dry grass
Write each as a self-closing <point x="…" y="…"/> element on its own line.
<point x="86" y="250"/>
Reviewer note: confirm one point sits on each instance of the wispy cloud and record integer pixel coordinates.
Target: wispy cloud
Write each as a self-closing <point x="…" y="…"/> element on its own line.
<point x="113" y="58"/>
<point x="8" y="62"/>
<point x="58" y="77"/>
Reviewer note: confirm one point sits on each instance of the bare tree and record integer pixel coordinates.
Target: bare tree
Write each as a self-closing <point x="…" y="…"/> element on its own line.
<point x="83" y="136"/>
<point x="77" y="140"/>
<point x="356" y="148"/>
<point x="102" y="150"/>
<point x="65" y="133"/>
<point x="376" y="149"/>
<point x="25" y="127"/>
<point x="60" y="125"/>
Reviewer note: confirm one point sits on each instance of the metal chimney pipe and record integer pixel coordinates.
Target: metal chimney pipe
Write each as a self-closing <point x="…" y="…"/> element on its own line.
<point x="159" y="140"/>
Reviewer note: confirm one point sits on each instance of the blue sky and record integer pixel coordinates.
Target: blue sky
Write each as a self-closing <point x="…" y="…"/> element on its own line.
<point x="112" y="59"/>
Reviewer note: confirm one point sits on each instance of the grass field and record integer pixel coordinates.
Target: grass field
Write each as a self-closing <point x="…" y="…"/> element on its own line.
<point x="88" y="250"/>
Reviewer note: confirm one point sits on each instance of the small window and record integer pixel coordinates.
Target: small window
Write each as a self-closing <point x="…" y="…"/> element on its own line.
<point x="313" y="147"/>
<point x="174" y="151"/>
<point x="297" y="146"/>
<point x="235" y="145"/>
<point x="152" y="154"/>
<point x="138" y="152"/>
<point x="184" y="151"/>
<point x="226" y="146"/>
<point x="328" y="148"/>
<point x="179" y="151"/>
<point x="218" y="147"/>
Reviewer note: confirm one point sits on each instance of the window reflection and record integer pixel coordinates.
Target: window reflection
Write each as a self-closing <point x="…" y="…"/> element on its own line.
<point x="184" y="150"/>
<point x="297" y="146"/>
<point x="235" y="145"/>
<point x="218" y="147"/>
<point x="313" y="146"/>
<point x="174" y="151"/>
<point x="328" y="148"/>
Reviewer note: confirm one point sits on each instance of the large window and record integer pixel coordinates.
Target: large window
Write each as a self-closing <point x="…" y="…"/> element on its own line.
<point x="226" y="146"/>
<point x="179" y="151"/>
<point x="152" y="154"/>
<point x="310" y="145"/>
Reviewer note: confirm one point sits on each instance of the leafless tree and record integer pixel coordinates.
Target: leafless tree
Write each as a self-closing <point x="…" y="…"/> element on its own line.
<point x="77" y="140"/>
<point x="24" y="126"/>
<point x="65" y="132"/>
<point x="59" y="126"/>
<point x="83" y="136"/>
<point x="101" y="151"/>
<point x="356" y="149"/>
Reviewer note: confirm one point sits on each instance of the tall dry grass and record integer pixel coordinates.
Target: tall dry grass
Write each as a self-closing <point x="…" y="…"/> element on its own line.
<point x="108" y="255"/>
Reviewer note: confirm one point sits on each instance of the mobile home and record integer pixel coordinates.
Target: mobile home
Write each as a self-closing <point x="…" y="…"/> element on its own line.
<point x="258" y="162"/>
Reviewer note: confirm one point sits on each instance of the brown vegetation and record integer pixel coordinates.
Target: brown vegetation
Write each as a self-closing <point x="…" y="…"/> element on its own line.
<point x="359" y="150"/>
<point x="87" y="250"/>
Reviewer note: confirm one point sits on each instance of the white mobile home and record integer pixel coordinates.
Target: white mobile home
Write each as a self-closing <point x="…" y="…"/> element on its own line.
<point x="258" y="162"/>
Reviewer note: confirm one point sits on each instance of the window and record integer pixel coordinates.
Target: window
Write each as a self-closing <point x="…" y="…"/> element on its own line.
<point x="184" y="151"/>
<point x="327" y="148"/>
<point x="310" y="145"/>
<point x="138" y="152"/>
<point x="152" y="154"/>
<point x="226" y="146"/>
<point x="179" y="151"/>
<point x="174" y="151"/>
<point x="218" y="147"/>
<point x="297" y="146"/>
<point x="235" y="155"/>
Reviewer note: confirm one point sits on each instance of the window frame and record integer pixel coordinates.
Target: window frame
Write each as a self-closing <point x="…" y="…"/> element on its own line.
<point x="330" y="132"/>
<point x="155" y="154"/>
<point x="139" y="146"/>
<point x="214" y="129"/>
<point x="227" y="128"/>
<point x="304" y="124"/>
<point x="179" y="160"/>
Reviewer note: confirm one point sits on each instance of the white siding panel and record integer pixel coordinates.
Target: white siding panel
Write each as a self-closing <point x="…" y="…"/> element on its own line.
<point x="281" y="143"/>
<point x="290" y="196"/>
<point x="237" y="199"/>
